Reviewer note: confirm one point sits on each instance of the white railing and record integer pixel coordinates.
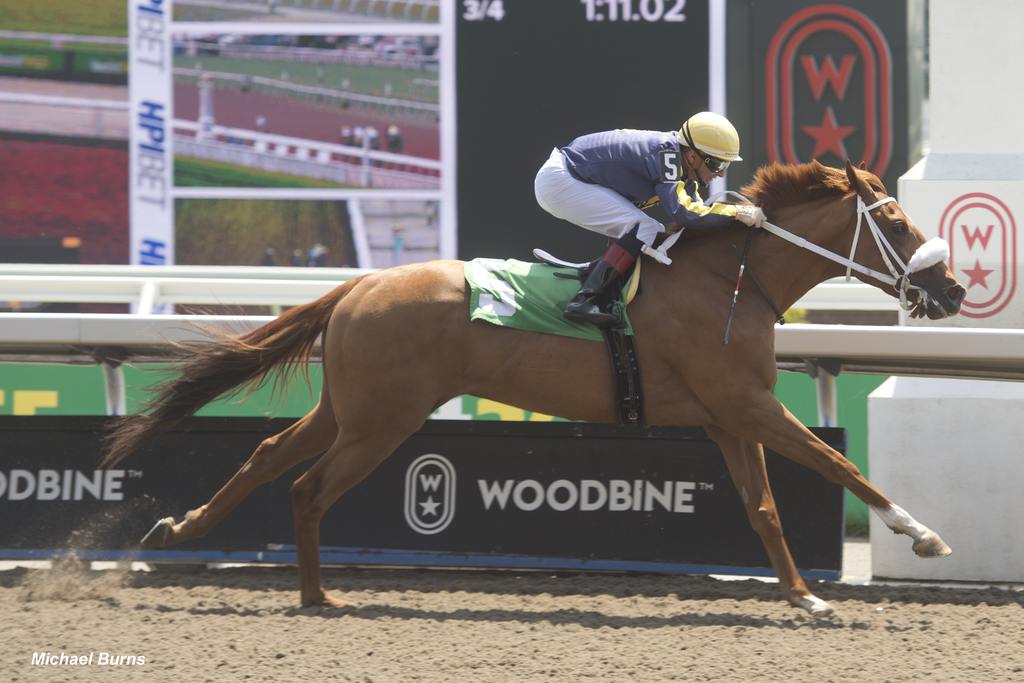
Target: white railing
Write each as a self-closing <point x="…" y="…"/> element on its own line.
<point x="112" y="338"/>
<point x="249" y="285"/>
<point x="58" y="38"/>
<point x="146" y="293"/>
<point x="317" y="92"/>
<point x="843" y="296"/>
<point x="344" y="164"/>
<point x="951" y="352"/>
<point x="83" y="116"/>
<point x="61" y="101"/>
<point x="197" y="48"/>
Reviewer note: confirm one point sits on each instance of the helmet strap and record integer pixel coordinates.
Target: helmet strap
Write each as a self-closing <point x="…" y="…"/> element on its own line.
<point x="692" y="171"/>
<point x="686" y="136"/>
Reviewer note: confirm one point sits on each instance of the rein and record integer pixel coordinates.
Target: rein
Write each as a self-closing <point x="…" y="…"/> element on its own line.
<point x="933" y="251"/>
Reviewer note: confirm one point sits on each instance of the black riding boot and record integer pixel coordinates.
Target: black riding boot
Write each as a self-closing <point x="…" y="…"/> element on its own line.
<point x="595" y="303"/>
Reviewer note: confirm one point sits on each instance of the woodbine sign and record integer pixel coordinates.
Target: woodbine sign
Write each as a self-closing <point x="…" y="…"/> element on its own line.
<point x="457" y="493"/>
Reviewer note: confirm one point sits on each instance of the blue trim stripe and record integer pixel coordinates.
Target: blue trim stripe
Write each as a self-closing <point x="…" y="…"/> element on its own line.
<point x="285" y="554"/>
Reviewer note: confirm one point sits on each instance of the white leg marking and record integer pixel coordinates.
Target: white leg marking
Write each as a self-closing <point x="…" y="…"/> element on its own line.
<point x="815" y="605"/>
<point x="926" y="542"/>
<point x="897" y="519"/>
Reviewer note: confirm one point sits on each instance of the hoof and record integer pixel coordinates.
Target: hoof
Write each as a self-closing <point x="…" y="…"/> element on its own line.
<point x="158" y="535"/>
<point x="931" y="545"/>
<point x="326" y="600"/>
<point x="815" y="606"/>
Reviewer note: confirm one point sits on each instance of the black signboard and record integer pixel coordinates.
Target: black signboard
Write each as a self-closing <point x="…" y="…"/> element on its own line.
<point x="827" y="81"/>
<point x="535" y="75"/>
<point x="458" y="493"/>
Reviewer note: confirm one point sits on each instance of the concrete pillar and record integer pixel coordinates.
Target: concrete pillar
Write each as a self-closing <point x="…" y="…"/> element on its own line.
<point x="969" y="189"/>
<point x="948" y="452"/>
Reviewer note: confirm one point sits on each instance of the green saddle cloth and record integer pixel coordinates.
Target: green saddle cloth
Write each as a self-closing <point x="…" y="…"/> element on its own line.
<point x="527" y="296"/>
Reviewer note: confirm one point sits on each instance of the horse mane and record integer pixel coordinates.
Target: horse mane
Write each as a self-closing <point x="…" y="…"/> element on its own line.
<point x="778" y="185"/>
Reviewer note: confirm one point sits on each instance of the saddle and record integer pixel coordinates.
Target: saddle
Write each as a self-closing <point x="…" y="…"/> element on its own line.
<point x="621" y="349"/>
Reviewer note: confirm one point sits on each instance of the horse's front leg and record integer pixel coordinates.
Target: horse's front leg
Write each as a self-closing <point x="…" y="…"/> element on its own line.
<point x="745" y="461"/>
<point x="762" y="418"/>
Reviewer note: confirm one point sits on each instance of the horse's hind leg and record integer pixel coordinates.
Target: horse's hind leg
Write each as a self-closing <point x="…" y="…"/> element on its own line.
<point x="307" y="437"/>
<point x="345" y="464"/>
<point x="745" y="460"/>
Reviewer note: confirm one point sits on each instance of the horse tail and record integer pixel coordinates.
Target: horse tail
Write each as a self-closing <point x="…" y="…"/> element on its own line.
<point x="225" y="364"/>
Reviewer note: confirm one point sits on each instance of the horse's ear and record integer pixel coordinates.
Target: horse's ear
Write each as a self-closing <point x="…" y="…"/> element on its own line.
<point x="857" y="184"/>
<point x="862" y="165"/>
<point x="851" y="174"/>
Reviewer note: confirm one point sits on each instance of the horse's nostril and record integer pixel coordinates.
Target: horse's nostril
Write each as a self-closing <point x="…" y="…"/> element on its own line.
<point x="956" y="294"/>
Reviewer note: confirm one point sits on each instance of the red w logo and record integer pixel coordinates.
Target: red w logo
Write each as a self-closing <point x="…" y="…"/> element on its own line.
<point x="975" y="235"/>
<point x="817" y="76"/>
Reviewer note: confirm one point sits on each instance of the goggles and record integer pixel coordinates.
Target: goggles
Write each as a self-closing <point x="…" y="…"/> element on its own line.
<point x="716" y="165"/>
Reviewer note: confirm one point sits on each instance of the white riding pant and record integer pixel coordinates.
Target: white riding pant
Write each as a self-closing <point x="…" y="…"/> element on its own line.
<point x="589" y="206"/>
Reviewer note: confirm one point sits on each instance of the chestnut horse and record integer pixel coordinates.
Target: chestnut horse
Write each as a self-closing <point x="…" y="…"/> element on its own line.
<point x="397" y="343"/>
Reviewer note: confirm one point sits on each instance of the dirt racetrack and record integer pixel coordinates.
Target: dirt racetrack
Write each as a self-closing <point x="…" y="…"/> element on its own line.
<point x="410" y="625"/>
<point x="306" y="120"/>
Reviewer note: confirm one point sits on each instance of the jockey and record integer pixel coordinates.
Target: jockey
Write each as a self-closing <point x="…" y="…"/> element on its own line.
<point x="604" y="181"/>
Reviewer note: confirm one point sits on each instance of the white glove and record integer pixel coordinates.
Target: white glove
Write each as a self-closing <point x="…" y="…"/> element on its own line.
<point x="750" y="215"/>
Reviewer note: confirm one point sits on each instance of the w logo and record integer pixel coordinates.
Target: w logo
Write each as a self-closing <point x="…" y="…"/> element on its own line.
<point x="827" y="73"/>
<point x="982" y="236"/>
<point x="429" y="494"/>
<point x="976" y="236"/>
<point x="818" y="107"/>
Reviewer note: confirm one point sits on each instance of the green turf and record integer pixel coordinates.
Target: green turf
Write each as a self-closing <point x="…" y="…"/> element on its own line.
<point x="110" y="51"/>
<point x="195" y="13"/>
<point x="362" y="79"/>
<point x="194" y="172"/>
<point x="85" y="17"/>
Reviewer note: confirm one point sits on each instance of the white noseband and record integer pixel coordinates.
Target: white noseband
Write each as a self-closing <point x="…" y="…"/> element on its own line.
<point x="935" y="250"/>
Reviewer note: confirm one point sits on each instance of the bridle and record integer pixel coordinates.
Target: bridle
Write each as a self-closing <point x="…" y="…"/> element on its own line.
<point x="935" y="250"/>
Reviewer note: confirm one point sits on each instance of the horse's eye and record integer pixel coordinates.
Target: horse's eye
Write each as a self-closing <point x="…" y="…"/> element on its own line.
<point x="899" y="227"/>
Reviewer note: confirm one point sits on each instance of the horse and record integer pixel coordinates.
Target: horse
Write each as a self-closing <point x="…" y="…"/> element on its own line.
<point x="397" y="343"/>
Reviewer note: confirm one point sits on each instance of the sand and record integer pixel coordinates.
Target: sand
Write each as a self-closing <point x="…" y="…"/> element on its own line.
<point x="429" y="625"/>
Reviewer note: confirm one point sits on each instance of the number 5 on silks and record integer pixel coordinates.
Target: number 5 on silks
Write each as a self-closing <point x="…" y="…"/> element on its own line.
<point x="669" y="164"/>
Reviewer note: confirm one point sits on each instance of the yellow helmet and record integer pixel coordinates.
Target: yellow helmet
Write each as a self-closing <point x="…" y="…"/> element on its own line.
<point x="712" y="134"/>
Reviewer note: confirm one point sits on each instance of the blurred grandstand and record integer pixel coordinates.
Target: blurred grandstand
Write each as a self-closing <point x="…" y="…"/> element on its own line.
<point x="64" y="129"/>
<point x="396" y="231"/>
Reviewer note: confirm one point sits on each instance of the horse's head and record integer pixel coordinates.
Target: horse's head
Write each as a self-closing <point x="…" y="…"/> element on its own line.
<point x="924" y="282"/>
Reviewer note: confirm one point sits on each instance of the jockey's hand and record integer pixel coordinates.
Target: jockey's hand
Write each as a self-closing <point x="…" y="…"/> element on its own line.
<point x="672" y="228"/>
<point x="750" y="215"/>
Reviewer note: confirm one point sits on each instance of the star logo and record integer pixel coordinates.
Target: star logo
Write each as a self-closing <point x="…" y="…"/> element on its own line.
<point x="828" y="137"/>
<point x="430" y="486"/>
<point x="429" y="506"/>
<point x="977" y="275"/>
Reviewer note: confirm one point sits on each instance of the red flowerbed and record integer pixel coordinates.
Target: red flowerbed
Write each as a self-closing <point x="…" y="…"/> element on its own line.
<point x="57" y="190"/>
